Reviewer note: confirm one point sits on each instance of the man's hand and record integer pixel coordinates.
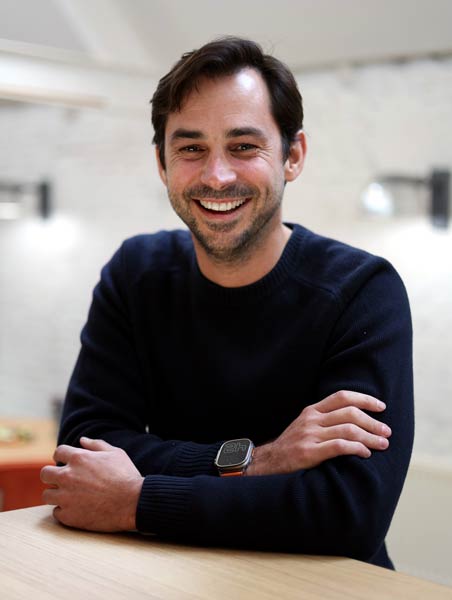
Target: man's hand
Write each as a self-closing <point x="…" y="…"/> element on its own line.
<point x="335" y="426"/>
<point x="97" y="489"/>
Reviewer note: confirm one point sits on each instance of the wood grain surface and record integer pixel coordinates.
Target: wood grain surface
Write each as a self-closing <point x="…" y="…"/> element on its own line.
<point x="41" y="559"/>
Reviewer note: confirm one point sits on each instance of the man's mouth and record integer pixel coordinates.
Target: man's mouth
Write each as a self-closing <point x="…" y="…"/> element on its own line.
<point x="222" y="206"/>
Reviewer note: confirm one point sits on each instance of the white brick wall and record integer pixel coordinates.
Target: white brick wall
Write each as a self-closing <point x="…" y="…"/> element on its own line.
<point x="106" y="189"/>
<point x="360" y="121"/>
<point x="376" y="119"/>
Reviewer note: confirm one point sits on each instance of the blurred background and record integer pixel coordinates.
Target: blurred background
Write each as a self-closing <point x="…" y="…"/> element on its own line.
<point x="77" y="176"/>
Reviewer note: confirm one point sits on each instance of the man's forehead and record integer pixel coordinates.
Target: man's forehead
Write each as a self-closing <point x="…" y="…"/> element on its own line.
<point x="239" y="104"/>
<point x="246" y="83"/>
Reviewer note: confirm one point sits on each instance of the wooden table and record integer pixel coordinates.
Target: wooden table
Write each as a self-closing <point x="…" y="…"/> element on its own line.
<point x="43" y="560"/>
<point x="21" y="461"/>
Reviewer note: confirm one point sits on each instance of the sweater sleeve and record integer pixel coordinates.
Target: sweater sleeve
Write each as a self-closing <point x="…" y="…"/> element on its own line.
<point x="107" y="396"/>
<point x="345" y="505"/>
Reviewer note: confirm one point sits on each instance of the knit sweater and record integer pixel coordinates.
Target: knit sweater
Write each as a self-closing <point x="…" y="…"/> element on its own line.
<point x="172" y="365"/>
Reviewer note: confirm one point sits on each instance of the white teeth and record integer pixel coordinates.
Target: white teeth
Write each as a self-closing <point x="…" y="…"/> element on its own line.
<point x="222" y="206"/>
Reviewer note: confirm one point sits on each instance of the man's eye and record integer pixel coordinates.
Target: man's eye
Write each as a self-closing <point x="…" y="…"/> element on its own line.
<point x="191" y="149"/>
<point x="244" y="147"/>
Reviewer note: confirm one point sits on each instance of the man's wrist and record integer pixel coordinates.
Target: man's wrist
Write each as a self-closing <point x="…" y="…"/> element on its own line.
<point x="261" y="459"/>
<point x="130" y="523"/>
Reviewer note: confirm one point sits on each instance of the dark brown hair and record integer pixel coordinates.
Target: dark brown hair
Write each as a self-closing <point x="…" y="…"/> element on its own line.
<point x="222" y="57"/>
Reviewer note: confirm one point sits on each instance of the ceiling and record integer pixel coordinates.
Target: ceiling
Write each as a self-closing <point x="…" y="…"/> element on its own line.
<point x="149" y="35"/>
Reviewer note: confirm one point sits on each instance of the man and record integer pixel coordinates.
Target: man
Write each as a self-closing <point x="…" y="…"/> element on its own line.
<point x="244" y="328"/>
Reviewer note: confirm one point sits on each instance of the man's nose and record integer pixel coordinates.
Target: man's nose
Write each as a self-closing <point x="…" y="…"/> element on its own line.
<point x="217" y="172"/>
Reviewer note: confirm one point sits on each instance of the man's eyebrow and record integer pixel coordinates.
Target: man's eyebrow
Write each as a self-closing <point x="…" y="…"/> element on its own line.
<point x="196" y="134"/>
<point x="240" y="131"/>
<point x="191" y="134"/>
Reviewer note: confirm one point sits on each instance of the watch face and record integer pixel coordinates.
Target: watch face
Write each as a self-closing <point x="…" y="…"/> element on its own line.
<point x="235" y="453"/>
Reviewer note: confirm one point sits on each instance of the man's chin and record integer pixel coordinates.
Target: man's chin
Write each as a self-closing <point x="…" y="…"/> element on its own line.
<point x="224" y="248"/>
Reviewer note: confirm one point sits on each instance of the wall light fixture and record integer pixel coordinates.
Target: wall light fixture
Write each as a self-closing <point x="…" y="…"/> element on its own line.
<point x="391" y="194"/>
<point x="12" y="194"/>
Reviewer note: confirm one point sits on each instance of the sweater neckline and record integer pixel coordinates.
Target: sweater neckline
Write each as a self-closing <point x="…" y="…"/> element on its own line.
<point x="208" y="291"/>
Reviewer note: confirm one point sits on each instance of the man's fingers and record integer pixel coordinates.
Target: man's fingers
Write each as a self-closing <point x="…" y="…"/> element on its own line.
<point x="59" y="514"/>
<point x="49" y="475"/>
<point x="353" y="433"/>
<point x="345" y="398"/>
<point x="91" y="444"/>
<point x="355" y="416"/>
<point x="64" y="453"/>
<point x="334" y="448"/>
<point x="50" y="496"/>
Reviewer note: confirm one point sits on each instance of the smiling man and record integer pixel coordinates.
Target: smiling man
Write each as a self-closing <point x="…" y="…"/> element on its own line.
<point x="225" y="176"/>
<point x="245" y="382"/>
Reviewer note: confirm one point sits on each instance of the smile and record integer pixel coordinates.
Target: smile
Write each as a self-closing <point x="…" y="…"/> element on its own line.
<point x="222" y="206"/>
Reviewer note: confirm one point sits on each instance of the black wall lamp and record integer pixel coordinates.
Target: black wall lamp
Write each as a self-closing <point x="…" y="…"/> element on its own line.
<point x="380" y="197"/>
<point x="12" y="194"/>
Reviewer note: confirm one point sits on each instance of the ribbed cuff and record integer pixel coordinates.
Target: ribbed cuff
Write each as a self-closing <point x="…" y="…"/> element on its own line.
<point x="195" y="459"/>
<point x="164" y="505"/>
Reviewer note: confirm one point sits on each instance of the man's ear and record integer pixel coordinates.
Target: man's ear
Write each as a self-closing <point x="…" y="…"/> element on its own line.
<point x="161" y="168"/>
<point x="295" y="161"/>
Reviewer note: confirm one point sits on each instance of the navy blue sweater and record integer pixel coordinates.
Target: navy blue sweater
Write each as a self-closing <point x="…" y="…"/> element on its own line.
<point x="172" y="364"/>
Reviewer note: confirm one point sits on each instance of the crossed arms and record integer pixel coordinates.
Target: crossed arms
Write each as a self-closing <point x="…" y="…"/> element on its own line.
<point x="99" y="486"/>
<point x="328" y="483"/>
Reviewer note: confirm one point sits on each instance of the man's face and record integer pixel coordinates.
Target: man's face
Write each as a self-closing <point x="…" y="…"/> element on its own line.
<point x="223" y="165"/>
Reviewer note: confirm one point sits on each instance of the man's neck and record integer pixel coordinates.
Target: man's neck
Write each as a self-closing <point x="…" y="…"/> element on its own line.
<point x="246" y="270"/>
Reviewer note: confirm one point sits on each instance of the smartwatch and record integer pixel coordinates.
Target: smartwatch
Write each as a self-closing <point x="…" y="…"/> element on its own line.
<point x="234" y="457"/>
